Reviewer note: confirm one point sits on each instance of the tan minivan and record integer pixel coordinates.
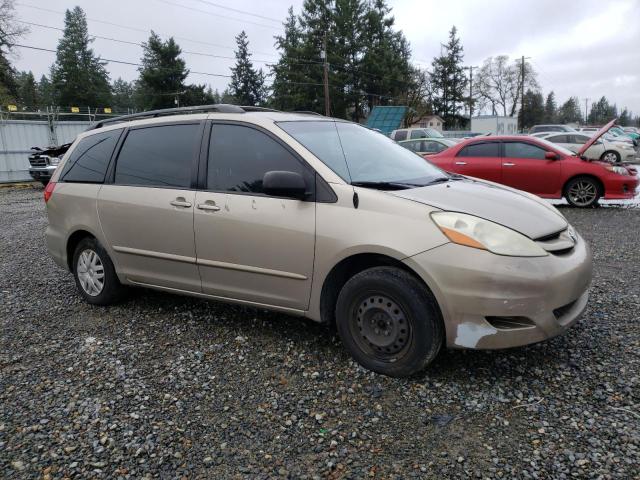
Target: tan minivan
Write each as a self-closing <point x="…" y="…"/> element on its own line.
<point x="315" y="217"/>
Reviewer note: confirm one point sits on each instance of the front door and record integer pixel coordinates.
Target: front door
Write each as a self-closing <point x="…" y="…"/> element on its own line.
<point x="525" y="167"/>
<point x="147" y="212"/>
<point x="251" y="246"/>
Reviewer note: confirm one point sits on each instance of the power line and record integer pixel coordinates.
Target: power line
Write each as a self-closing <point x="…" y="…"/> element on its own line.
<point x="136" y="29"/>
<point x="123" y="62"/>
<point x="206" y="12"/>
<point x="206" y="2"/>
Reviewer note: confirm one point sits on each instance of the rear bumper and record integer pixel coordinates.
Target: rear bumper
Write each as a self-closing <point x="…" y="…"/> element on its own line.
<point x="490" y="301"/>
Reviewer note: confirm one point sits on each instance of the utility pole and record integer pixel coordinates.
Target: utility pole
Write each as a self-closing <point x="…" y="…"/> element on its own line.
<point x="471" y="91"/>
<point x="586" y="109"/>
<point x="522" y="70"/>
<point x="323" y="55"/>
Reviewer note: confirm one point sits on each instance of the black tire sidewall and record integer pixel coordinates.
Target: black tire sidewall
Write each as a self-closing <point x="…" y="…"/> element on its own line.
<point x="579" y="179"/>
<point x="420" y="309"/>
<point x="112" y="289"/>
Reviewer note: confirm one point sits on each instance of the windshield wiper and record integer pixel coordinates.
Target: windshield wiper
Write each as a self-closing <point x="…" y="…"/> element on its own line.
<point x="438" y="180"/>
<point x="385" y="185"/>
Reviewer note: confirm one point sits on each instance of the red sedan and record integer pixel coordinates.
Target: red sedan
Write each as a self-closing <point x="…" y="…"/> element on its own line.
<point x="540" y="167"/>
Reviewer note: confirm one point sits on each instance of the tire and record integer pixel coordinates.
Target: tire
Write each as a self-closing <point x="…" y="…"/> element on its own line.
<point x="582" y="192"/>
<point x="389" y="321"/>
<point x="92" y="265"/>
<point x="44" y="182"/>
<point x="610" y="156"/>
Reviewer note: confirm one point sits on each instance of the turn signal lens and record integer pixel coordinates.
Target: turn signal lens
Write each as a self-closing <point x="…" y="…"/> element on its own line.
<point x="48" y="191"/>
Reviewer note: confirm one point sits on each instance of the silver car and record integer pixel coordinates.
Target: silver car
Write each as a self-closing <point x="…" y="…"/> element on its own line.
<point x="315" y="217"/>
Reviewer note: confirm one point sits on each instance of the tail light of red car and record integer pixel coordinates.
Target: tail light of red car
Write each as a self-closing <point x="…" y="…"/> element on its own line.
<point x="48" y="191"/>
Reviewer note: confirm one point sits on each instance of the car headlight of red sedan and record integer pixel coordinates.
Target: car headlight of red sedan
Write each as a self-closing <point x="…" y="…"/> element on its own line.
<point x="618" y="170"/>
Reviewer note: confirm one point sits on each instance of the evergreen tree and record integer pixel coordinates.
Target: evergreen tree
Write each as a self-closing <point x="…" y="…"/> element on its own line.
<point x="570" y="112"/>
<point x="602" y="112"/>
<point x="247" y="83"/>
<point x="78" y="76"/>
<point x="45" y="91"/>
<point x="550" y="108"/>
<point x="388" y="77"/>
<point x="27" y="89"/>
<point x="197" y="95"/>
<point x="287" y="93"/>
<point x="625" y="118"/>
<point x="162" y="74"/>
<point x="123" y="96"/>
<point x="533" y="111"/>
<point x="449" y="81"/>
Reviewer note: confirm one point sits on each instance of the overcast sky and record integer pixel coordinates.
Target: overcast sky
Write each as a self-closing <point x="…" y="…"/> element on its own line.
<point x="586" y="48"/>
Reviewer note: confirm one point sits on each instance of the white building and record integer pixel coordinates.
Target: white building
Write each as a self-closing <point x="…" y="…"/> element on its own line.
<point x="494" y="124"/>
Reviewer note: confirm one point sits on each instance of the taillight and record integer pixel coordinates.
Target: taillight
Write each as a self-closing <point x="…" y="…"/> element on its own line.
<point x="48" y="191"/>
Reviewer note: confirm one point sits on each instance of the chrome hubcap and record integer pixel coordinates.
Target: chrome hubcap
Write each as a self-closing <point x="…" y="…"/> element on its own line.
<point x="583" y="193"/>
<point x="90" y="272"/>
<point x="611" y="157"/>
<point x="382" y="327"/>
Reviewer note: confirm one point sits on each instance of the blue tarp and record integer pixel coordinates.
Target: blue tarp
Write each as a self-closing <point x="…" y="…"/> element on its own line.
<point x="386" y="119"/>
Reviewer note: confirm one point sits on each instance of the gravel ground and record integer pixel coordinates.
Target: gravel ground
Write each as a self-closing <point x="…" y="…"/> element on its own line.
<point x="167" y="387"/>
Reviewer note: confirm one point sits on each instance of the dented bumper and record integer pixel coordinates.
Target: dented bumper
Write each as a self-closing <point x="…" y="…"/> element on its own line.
<point x="490" y="301"/>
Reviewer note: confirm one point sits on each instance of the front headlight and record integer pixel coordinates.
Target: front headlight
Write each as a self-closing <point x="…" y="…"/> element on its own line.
<point x="479" y="233"/>
<point x="54" y="161"/>
<point x="618" y="170"/>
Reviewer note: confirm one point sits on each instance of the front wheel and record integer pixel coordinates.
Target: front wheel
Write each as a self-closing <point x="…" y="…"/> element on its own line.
<point x="389" y="321"/>
<point x="94" y="273"/>
<point x="610" y="156"/>
<point x="582" y="192"/>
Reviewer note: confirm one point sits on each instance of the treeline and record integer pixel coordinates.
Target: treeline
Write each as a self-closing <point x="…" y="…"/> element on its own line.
<point x="368" y="63"/>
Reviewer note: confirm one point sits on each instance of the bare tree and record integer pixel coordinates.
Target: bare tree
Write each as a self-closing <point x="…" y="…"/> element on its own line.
<point x="500" y="84"/>
<point x="10" y="29"/>
<point x="419" y="95"/>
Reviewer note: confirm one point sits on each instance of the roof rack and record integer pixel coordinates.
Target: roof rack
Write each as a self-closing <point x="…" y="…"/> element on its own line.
<point x="218" y="107"/>
<point x="307" y="112"/>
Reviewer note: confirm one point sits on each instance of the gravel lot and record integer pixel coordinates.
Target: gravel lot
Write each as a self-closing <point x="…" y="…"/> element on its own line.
<point x="167" y="387"/>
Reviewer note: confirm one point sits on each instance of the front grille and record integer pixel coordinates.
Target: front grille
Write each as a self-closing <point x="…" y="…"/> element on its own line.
<point x="562" y="311"/>
<point x="38" y="161"/>
<point x="510" y="323"/>
<point x="557" y="243"/>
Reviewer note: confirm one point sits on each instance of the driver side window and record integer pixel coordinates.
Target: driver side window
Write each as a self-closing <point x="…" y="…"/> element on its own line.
<point x="239" y="157"/>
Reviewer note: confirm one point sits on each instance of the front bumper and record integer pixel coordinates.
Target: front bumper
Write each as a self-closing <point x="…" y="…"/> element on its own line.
<point x="620" y="187"/>
<point x="491" y="301"/>
<point x="42" y="173"/>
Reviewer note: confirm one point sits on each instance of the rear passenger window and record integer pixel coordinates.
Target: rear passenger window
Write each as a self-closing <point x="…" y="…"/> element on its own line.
<point x="523" y="150"/>
<point x="559" y="139"/>
<point x="159" y="156"/>
<point x="240" y="156"/>
<point x="480" y="150"/>
<point x="418" y="134"/>
<point x="89" y="160"/>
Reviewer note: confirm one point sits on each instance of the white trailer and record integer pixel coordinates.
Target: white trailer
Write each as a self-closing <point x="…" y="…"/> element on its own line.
<point x="494" y="124"/>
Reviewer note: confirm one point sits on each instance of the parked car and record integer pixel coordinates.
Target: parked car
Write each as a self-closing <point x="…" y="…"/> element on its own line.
<point x="618" y="131"/>
<point x="611" y="135"/>
<point x="550" y="128"/>
<point x="413" y="133"/>
<point x="43" y="162"/>
<point x="540" y="167"/>
<point x="428" y="146"/>
<point x="631" y="130"/>
<point x="315" y="217"/>
<point x="607" y="151"/>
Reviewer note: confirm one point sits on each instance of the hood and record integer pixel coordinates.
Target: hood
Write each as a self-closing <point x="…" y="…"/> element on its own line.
<point x="517" y="210"/>
<point x="595" y="138"/>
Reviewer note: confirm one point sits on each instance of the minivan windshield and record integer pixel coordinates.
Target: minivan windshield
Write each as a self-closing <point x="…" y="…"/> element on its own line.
<point x="364" y="157"/>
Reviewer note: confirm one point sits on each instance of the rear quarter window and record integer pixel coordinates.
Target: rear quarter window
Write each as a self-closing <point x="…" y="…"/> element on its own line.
<point x="89" y="160"/>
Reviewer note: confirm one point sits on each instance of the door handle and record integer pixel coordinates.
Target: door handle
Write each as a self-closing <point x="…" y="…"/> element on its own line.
<point x="180" y="202"/>
<point x="508" y="164"/>
<point x="212" y="207"/>
<point x="461" y="163"/>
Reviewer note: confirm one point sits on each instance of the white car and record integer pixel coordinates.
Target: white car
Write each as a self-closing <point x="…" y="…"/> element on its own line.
<point x="606" y="150"/>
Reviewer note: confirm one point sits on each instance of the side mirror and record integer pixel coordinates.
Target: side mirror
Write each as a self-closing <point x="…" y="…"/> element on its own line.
<point x="550" y="156"/>
<point x="284" y="184"/>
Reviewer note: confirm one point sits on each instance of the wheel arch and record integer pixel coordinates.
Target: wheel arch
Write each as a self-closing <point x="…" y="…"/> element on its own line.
<point x="598" y="181"/>
<point x="72" y="242"/>
<point x="347" y="268"/>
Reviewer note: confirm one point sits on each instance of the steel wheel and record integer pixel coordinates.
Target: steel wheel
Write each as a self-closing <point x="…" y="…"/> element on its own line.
<point x="90" y="272"/>
<point x="583" y="193"/>
<point x="380" y="327"/>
